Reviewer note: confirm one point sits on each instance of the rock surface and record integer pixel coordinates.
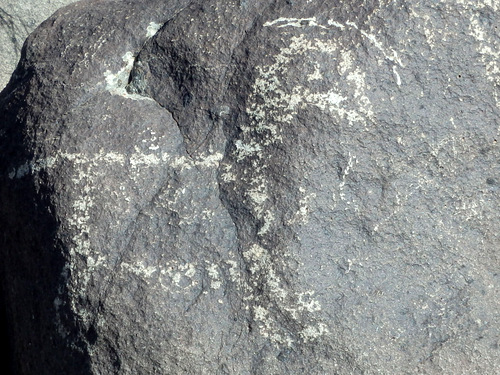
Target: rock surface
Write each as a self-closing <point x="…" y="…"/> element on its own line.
<point x="254" y="187"/>
<point x="17" y="20"/>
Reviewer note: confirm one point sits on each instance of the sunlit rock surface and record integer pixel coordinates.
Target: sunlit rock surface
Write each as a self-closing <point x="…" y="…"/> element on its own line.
<point x="17" y="20"/>
<point x="254" y="187"/>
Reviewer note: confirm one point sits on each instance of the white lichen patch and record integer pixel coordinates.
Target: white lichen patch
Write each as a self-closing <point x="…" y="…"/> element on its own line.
<point x="316" y="75"/>
<point x="208" y="161"/>
<point x="116" y="82"/>
<point x="140" y="269"/>
<point x="298" y="305"/>
<point x="202" y="161"/>
<point x="79" y="220"/>
<point x="307" y="303"/>
<point x="268" y="218"/>
<point x="141" y="159"/>
<point x="311" y="333"/>
<point x="152" y="29"/>
<point x="246" y="149"/>
<point x="258" y="195"/>
<point x="215" y="279"/>
<point x="190" y="270"/>
<point x="273" y="104"/>
<point x="294" y="22"/>
<point x="302" y="214"/>
<point x="388" y="53"/>
<point x="227" y="175"/>
<point x="396" y="75"/>
<point x="279" y="105"/>
<point x="179" y="277"/>
<point x="336" y="24"/>
<point x="234" y="270"/>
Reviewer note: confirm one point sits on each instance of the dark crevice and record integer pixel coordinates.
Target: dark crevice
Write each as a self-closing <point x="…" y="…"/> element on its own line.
<point x="137" y="86"/>
<point x="131" y="89"/>
<point x="188" y="88"/>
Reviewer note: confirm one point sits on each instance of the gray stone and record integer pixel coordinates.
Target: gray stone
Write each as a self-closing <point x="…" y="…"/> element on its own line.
<point x="17" y="20"/>
<point x="254" y="187"/>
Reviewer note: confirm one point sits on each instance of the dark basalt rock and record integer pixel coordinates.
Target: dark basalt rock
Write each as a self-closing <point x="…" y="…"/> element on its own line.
<point x="254" y="187"/>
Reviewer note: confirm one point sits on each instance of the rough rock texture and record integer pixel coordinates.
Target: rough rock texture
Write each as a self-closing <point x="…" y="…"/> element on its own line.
<point x="254" y="187"/>
<point x="18" y="18"/>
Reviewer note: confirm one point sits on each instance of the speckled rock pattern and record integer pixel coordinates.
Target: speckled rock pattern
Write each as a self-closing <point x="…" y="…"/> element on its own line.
<point x="254" y="187"/>
<point x="18" y="18"/>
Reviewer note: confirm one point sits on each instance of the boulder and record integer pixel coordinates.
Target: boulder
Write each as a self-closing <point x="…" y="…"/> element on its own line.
<point x="254" y="187"/>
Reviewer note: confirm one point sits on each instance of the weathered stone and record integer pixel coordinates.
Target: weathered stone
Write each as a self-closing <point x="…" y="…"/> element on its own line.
<point x="17" y="20"/>
<point x="254" y="187"/>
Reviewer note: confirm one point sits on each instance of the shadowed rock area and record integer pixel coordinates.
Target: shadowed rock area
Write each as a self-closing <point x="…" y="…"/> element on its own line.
<point x="254" y="187"/>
